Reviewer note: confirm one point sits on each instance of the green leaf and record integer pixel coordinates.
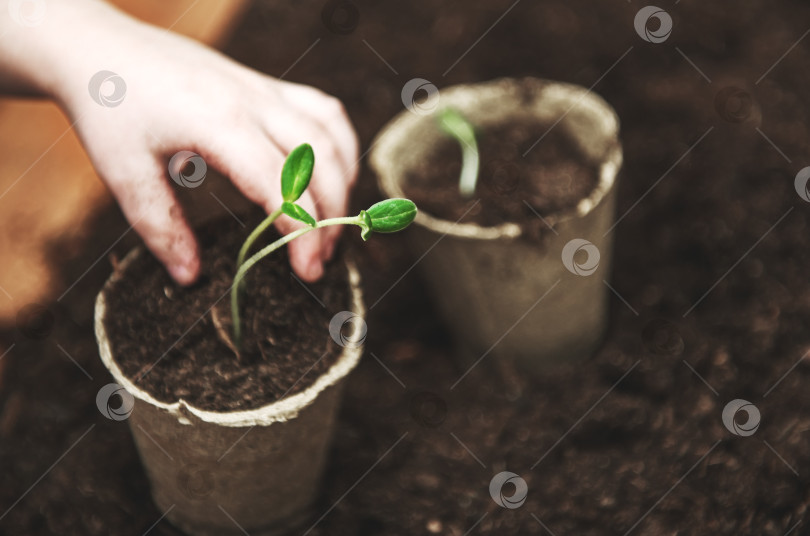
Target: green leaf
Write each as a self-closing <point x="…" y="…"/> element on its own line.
<point x="456" y="125"/>
<point x="297" y="172"/>
<point x="365" y="225"/>
<point x="390" y="216"/>
<point x="295" y="212"/>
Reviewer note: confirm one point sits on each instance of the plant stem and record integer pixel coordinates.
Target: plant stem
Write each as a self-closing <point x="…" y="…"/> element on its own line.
<point x="469" y="168"/>
<point x="457" y="126"/>
<point x="262" y="253"/>
<point x="262" y="227"/>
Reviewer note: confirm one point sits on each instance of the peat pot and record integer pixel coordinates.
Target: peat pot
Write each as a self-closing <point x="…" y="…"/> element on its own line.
<point x="260" y="468"/>
<point x="540" y="302"/>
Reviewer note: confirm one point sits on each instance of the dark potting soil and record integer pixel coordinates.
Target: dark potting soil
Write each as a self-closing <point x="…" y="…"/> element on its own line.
<point x="552" y="177"/>
<point x="165" y="338"/>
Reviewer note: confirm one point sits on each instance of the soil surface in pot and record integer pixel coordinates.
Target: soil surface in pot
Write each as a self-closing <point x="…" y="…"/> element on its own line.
<point x="165" y="338"/>
<point x="553" y="177"/>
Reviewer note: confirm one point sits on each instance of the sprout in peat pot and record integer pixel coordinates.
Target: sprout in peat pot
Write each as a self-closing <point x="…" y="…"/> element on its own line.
<point x="545" y="156"/>
<point x="388" y="216"/>
<point x="457" y="126"/>
<point x="275" y="420"/>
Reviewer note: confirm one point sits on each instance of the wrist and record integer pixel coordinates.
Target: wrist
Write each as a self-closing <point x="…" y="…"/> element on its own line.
<point x="57" y="56"/>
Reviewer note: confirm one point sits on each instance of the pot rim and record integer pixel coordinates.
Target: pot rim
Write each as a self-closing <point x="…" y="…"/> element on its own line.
<point x="279" y="411"/>
<point x="394" y="135"/>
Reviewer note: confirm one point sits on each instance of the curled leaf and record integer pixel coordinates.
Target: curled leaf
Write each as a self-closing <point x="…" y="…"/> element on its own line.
<point x="456" y="125"/>
<point x="365" y="224"/>
<point x="296" y="212"/>
<point x="390" y="216"/>
<point x="297" y="172"/>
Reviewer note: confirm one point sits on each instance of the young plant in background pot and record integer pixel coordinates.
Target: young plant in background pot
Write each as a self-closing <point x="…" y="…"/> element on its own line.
<point x="233" y="410"/>
<point x="520" y="246"/>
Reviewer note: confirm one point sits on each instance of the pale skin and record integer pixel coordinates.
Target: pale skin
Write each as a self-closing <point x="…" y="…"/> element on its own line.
<point x="181" y="96"/>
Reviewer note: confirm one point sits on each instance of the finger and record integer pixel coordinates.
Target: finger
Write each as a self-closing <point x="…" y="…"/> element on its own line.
<point x="152" y="209"/>
<point x="329" y="187"/>
<point x="332" y="200"/>
<point x="253" y="163"/>
<point x="305" y="251"/>
<point x="255" y="168"/>
<point x="330" y="115"/>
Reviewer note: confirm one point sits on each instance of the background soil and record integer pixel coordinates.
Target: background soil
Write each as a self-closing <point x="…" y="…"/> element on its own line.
<point x="630" y="442"/>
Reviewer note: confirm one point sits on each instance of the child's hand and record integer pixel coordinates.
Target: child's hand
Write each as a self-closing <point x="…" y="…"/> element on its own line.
<point x="182" y="96"/>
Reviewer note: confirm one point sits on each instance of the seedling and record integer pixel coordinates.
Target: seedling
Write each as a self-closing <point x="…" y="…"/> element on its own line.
<point x="387" y="216"/>
<point x="457" y="126"/>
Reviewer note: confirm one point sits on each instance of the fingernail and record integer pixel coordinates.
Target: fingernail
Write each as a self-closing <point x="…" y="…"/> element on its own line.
<point x="182" y="273"/>
<point x="315" y="270"/>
